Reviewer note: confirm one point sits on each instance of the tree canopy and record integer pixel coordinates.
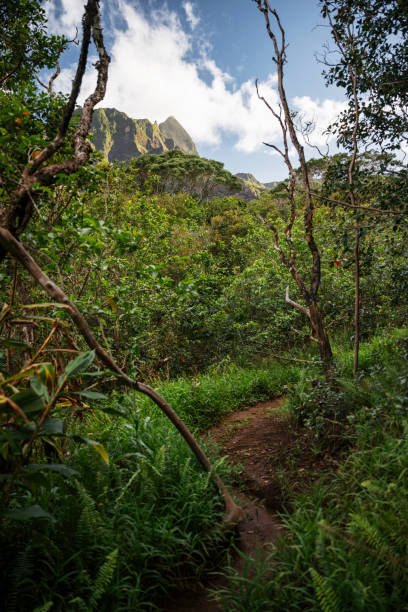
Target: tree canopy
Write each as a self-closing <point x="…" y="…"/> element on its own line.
<point x="372" y="35"/>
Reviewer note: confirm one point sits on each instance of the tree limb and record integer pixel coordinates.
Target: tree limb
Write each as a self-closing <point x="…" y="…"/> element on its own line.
<point x="370" y="209"/>
<point x="300" y="307"/>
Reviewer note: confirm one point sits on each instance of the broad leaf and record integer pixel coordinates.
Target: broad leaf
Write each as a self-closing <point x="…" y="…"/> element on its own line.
<point x="78" y="364"/>
<point x="92" y="395"/>
<point x="14" y="343"/>
<point x="95" y="445"/>
<point x="29" y="401"/>
<point x="60" y="468"/>
<point x="52" y="427"/>
<point x="46" y="369"/>
<point x="28" y="513"/>
<point x="39" y="388"/>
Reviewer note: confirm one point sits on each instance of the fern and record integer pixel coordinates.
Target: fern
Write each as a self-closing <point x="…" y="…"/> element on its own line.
<point x="80" y="604"/>
<point x="126" y="487"/>
<point x="23" y="568"/>
<point x="45" y="607"/>
<point x="328" y="599"/>
<point x="89" y="513"/>
<point x="376" y="541"/>
<point x="89" y="520"/>
<point x="103" y="578"/>
<point x="369" y="533"/>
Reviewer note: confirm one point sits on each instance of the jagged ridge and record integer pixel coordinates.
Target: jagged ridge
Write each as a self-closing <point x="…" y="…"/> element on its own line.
<point x="119" y="137"/>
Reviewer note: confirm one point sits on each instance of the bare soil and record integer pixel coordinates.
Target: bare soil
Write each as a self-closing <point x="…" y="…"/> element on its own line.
<point x="276" y="459"/>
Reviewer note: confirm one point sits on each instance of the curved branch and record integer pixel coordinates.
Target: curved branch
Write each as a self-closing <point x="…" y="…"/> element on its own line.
<point x="300" y="307"/>
<point x="16" y="249"/>
<point x="369" y="209"/>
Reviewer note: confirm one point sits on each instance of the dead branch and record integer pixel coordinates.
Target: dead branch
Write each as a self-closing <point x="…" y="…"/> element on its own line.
<point x="369" y="209"/>
<point x="16" y="249"/>
<point x="292" y="359"/>
<point x="303" y="309"/>
<point x="286" y="122"/>
<point x="46" y="341"/>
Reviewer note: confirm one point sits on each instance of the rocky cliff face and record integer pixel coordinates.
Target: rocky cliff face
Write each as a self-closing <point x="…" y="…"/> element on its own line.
<point x="251" y="187"/>
<point x="120" y="137"/>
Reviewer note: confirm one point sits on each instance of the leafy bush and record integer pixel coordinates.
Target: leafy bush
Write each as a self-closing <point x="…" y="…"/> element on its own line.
<point x="381" y="390"/>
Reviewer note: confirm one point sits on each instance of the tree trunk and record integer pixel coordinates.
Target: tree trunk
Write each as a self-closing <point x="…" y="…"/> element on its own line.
<point x="356" y="300"/>
<point x="326" y="354"/>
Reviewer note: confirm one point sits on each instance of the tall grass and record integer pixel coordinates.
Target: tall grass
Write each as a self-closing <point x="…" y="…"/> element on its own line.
<point x="204" y="400"/>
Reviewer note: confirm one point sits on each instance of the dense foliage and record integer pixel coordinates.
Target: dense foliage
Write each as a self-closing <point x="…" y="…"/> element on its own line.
<point x="183" y="287"/>
<point x="178" y="172"/>
<point x="372" y="35"/>
<point x="344" y="545"/>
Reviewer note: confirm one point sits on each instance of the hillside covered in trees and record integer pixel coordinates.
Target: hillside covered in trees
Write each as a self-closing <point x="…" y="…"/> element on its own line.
<point x="146" y="301"/>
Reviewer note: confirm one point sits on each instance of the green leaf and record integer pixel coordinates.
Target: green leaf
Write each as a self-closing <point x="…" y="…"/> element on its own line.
<point x="81" y="362"/>
<point x="39" y="388"/>
<point x="60" y="468"/>
<point x="44" y="608"/>
<point x="45" y="369"/>
<point x="14" y="343"/>
<point x="100" y="449"/>
<point x="29" y="401"/>
<point x="52" y="427"/>
<point x="28" y="513"/>
<point x="91" y="394"/>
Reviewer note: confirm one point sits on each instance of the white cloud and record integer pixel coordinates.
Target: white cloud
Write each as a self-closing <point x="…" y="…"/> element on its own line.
<point x="64" y="16"/>
<point x="320" y="114"/>
<point x="192" y="18"/>
<point x="152" y="75"/>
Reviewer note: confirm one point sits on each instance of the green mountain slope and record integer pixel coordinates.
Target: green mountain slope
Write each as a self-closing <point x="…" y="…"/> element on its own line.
<point x="121" y="138"/>
<point x="176" y="136"/>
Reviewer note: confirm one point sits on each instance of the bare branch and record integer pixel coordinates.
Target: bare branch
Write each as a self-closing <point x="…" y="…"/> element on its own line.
<point x="288" y="127"/>
<point x="300" y="307"/>
<point x="370" y="209"/>
<point x="54" y="76"/>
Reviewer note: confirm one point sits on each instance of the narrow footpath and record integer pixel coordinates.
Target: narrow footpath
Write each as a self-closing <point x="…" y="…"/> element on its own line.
<point x="276" y="460"/>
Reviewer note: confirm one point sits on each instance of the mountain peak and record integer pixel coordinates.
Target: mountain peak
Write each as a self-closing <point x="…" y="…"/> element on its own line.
<point x="119" y="137"/>
<point x="172" y="130"/>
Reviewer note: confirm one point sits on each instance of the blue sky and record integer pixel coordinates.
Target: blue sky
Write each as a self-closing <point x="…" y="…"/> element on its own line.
<point x="198" y="59"/>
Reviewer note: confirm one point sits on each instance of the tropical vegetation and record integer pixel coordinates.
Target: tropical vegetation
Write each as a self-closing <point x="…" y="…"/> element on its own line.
<point x="162" y="287"/>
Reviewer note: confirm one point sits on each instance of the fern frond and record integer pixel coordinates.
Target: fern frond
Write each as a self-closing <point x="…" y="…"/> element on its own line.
<point x="126" y="487"/>
<point x="328" y="599"/>
<point x="370" y="533"/>
<point x="45" y="607"/>
<point x="90" y="518"/>
<point x="81" y="605"/>
<point x="104" y="577"/>
<point x="23" y="568"/>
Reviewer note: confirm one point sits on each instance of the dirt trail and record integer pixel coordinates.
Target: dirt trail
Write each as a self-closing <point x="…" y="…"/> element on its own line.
<point x="256" y="438"/>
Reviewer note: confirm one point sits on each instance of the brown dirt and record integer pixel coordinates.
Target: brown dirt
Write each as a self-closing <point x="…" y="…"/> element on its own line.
<point x="276" y="460"/>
